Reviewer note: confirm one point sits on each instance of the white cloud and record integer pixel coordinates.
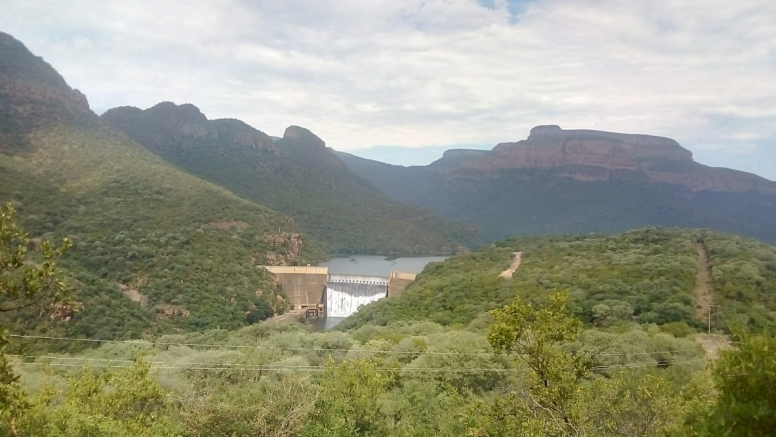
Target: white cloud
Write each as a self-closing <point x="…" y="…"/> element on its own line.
<point x="433" y="72"/>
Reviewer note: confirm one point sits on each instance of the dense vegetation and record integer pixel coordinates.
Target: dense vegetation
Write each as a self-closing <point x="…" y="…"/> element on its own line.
<point x="592" y="335"/>
<point x="528" y="202"/>
<point x="533" y="371"/>
<point x="189" y="248"/>
<point x="155" y="249"/>
<point x="744" y="275"/>
<point x="297" y="176"/>
<point x="416" y="379"/>
<point x="643" y="276"/>
<point x="287" y="381"/>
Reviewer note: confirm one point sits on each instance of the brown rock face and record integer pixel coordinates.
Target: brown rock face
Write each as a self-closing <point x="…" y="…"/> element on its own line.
<point x="32" y="93"/>
<point x="589" y="155"/>
<point x="551" y="147"/>
<point x="288" y="247"/>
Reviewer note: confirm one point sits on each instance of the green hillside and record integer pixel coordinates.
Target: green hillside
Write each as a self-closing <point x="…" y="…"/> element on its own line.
<point x="644" y="276"/>
<point x="156" y="249"/>
<point x="295" y="175"/>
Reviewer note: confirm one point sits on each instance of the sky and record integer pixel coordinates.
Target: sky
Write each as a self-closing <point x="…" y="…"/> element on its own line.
<point x="418" y="76"/>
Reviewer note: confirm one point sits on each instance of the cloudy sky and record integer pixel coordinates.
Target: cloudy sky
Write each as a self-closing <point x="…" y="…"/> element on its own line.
<point x="434" y="73"/>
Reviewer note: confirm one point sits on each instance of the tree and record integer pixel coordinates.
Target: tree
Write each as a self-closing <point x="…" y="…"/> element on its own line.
<point x="267" y="406"/>
<point x="551" y="405"/>
<point x="25" y="282"/>
<point x="123" y="403"/>
<point x="746" y="403"/>
<point x="347" y="402"/>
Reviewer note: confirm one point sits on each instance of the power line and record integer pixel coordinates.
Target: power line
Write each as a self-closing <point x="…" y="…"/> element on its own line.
<point x="231" y="346"/>
<point x="312" y="349"/>
<point x="108" y="363"/>
<point x="631" y="365"/>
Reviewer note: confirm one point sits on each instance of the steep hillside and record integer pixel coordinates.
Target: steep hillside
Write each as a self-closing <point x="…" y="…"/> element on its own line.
<point x="296" y="175"/>
<point x="570" y="181"/>
<point x="156" y="249"/>
<point x="646" y="276"/>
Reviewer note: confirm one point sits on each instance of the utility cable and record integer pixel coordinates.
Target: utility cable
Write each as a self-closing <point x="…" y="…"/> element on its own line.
<point x="108" y="363"/>
<point x="309" y="349"/>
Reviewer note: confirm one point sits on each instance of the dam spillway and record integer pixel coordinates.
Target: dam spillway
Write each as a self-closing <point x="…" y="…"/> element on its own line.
<point x="345" y="294"/>
<point x="335" y="295"/>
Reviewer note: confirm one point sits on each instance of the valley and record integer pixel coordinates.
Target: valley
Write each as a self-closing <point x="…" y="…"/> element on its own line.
<point x="167" y="274"/>
<point x="296" y="175"/>
<point x="577" y="181"/>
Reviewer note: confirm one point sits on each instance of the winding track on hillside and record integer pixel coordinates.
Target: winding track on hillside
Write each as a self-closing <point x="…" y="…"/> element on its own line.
<point x="514" y="266"/>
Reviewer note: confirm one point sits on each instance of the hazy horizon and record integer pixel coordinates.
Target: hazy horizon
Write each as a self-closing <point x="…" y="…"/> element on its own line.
<point x="435" y="74"/>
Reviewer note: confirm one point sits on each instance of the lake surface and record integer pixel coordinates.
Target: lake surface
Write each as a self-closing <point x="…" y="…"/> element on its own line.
<point x="369" y="265"/>
<point x="375" y="265"/>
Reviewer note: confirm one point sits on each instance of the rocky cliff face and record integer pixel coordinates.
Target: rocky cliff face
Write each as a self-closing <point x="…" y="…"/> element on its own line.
<point x="32" y="94"/>
<point x="288" y="249"/>
<point x="589" y="155"/>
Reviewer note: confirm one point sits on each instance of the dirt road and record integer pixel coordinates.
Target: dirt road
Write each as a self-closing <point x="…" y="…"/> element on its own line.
<point x="287" y="317"/>
<point x="512" y="268"/>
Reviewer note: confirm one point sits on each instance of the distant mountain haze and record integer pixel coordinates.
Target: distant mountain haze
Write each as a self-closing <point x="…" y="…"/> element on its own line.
<point x="570" y="181"/>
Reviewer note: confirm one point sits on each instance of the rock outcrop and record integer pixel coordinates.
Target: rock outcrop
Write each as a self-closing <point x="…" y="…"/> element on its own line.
<point x="589" y="155"/>
<point x="33" y="94"/>
<point x="288" y="249"/>
<point x="303" y="135"/>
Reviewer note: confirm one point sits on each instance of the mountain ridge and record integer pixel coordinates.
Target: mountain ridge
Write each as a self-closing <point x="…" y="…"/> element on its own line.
<point x="571" y="181"/>
<point x="660" y="159"/>
<point x="155" y="249"/>
<point x="297" y="175"/>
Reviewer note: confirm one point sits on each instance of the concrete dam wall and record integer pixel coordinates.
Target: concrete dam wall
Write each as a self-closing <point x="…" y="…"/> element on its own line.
<point x="303" y="286"/>
<point x="314" y="289"/>
<point x="398" y="281"/>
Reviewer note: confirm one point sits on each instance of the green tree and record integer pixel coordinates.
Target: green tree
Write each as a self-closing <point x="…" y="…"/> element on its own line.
<point x="347" y="403"/>
<point x="746" y="403"/>
<point x="270" y="406"/>
<point x="124" y="403"/>
<point x="552" y="404"/>
<point x="26" y="282"/>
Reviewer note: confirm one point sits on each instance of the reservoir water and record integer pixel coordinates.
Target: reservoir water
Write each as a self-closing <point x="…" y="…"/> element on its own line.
<point x="375" y="265"/>
<point x="369" y="265"/>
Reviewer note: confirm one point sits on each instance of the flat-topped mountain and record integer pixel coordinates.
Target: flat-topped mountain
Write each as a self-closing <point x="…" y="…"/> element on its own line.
<point x="590" y="155"/>
<point x="558" y="181"/>
<point x="296" y="175"/>
<point x="552" y="147"/>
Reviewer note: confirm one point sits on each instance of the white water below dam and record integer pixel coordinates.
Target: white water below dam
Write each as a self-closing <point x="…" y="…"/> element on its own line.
<point x="345" y="294"/>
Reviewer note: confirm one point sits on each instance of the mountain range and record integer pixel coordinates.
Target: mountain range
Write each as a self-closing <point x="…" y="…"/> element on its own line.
<point x="159" y="249"/>
<point x="579" y="181"/>
<point x="296" y="175"/>
<point x="172" y="213"/>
